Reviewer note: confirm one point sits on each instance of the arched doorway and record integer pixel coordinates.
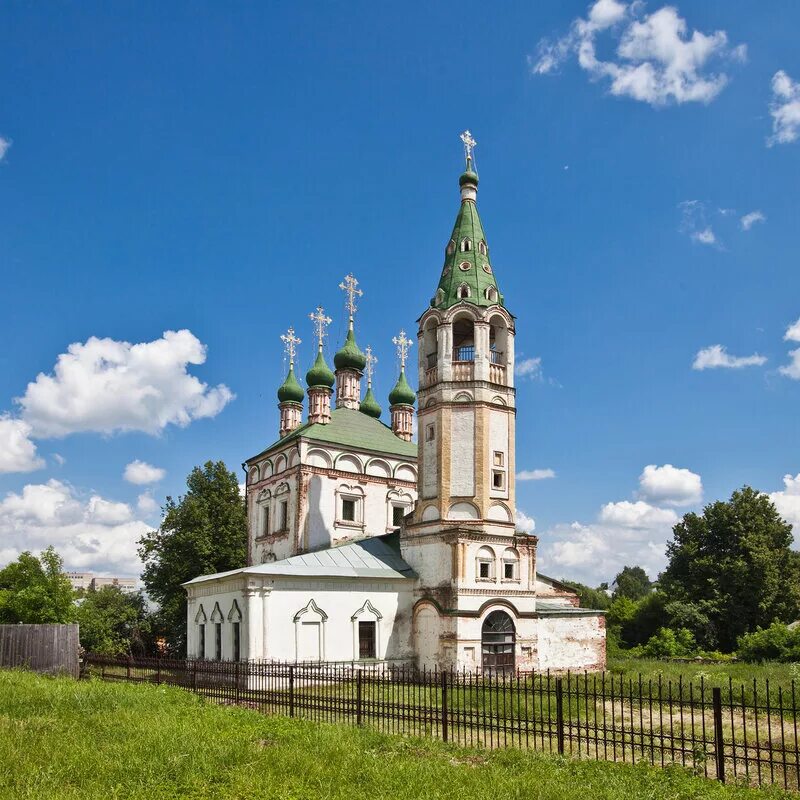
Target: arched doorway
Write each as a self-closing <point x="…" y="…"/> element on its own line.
<point x="498" y="637"/>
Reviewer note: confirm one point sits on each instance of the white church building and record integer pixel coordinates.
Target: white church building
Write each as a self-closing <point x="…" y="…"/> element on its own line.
<point x="365" y="546"/>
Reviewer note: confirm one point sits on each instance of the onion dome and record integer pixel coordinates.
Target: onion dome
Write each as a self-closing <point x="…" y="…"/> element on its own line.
<point x="291" y="391"/>
<point x="320" y="374"/>
<point x="402" y="394"/>
<point x="350" y="356"/>
<point x="468" y="177"/>
<point x="369" y="405"/>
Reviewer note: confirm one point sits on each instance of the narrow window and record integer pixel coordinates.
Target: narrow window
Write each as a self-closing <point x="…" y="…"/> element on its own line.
<point x="398" y="512"/>
<point x="430" y="433"/>
<point x="466" y="245"/>
<point x="201" y="646"/>
<point x="218" y="641"/>
<point x="284" y="515"/>
<point x="237" y="642"/>
<point x="482" y="247"/>
<point x="349" y="510"/>
<point x="484" y="569"/>
<point x="463" y="291"/>
<point x="498" y="458"/>
<point x="366" y="640"/>
<point x="508" y="571"/>
<point x="265" y="521"/>
<point x="498" y="479"/>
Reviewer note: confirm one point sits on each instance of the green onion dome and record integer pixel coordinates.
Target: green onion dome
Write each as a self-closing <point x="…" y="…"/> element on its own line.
<point x="291" y="391"/>
<point x="402" y="394"/>
<point x="369" y="405"/>
<point x="468" y="177"/>
<point x="320" y="374"/>
<point x="350" y="356"/>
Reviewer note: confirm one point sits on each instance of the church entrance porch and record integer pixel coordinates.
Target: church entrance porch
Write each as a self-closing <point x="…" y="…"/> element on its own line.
<point x="498" y="640"/>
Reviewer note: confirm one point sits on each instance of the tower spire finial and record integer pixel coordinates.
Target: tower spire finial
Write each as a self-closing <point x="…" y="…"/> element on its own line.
<point x="469" y="146"/>
<point x="320" y="322"/>
<point x="290" y="342"/>
<point x="403" y="344"/>
<point x="371" y="362"/>
<point x="350" y="287"/>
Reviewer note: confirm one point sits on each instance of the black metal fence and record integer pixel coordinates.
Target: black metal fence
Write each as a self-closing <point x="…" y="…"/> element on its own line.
<point x="742" y="732"/>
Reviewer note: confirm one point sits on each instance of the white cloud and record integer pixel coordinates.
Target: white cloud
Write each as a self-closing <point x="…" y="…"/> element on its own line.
<point x="17" y="451"/>
<point x="141" y="473"/>
<point x="785" y="109"/>
<point x="535" y="474"/>
<point x="59" y="459"/>
<point x="95" y="534"/>
<point x="705" y="236"/>
<point x="146" y="504"/>
<point x="524" y="522"/>
<point x="717" y="357"/>
<point x="748" y="220"/>
<point x="792" y="369"/>
<point x="529" y="368"/>
<point x="638" y="515"/>
<point x="107" y="386"/>
<point x="670" y="486"/>
<point x="792" y="332"/>
<point x="788" y="502"/>
<point x="4" y="145"/>
<point x="657" y="60"/>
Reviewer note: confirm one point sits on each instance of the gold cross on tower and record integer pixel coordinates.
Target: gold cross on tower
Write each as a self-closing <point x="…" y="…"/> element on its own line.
<point x="469" y="146"/>
<point x="349" y="287"/>
<point x="320" y="322"/>
<point x="403" y="344"/>
<point x="290" y="342"/>
<point x="371" y="362"/>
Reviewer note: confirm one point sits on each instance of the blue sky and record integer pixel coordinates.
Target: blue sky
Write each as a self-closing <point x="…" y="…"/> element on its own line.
<point x="217" y="169"/>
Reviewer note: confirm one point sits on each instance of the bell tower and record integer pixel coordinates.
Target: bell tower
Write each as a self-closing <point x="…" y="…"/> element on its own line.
<point x="462" y="538"/>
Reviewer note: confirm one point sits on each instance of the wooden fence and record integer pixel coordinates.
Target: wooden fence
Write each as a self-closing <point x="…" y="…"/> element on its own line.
<point x="51" y="649"/>
<point x="736" y="732"/>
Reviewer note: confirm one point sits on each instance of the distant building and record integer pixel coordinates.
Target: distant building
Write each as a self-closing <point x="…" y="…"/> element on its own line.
<point x="88" y="580"/>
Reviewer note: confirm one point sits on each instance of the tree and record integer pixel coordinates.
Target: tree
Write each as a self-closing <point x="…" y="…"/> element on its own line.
<point x="588" y="597"/>
<point x="204" y="532"/>
<point x="113" y="622"/>
<point x="632" y="582"/>
<point x="35" y="590"/>
<point x="733" y="565"/>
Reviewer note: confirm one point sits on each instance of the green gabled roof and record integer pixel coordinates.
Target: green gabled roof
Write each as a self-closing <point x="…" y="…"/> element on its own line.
<point x="479" y="274"/>
<point x="350" y="428"/>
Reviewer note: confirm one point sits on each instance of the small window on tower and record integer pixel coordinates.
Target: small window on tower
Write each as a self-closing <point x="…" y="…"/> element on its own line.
<point x="464" y="266"/>
<point x="498" y="479"/>
<point x="463" y="291"/>
<point x="482" y="247"/>
<point x="451" y="247"/>
<point x="466" y="245"/>
<point x="349" y="510"/>
<point x="499" y="458"/>
<point x="430" y="433"/>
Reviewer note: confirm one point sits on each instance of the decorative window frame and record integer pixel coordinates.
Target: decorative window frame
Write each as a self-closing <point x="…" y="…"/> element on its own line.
<point x="466" y="245"/>
<point x="464" y="266"/>
<point x="482" y="557"/>
<point x="482" y="248"/>
<point x="312" y="610"/>
<point x="367" y="613"/>
<point x="464" y="292"/>
<point x="235" y="614"/>
<point x="347" y="491"/>
<point x="397" y="499"/>
<point x="263" y="504"/>
<point x="217" y="619"/>
<point x="451" y="247"/>
<point x="282" y="495"/>
<point x="490" y="293"/>
<point x="510" y="556"/>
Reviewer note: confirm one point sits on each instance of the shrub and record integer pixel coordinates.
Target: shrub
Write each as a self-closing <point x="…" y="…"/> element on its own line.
<point x="666" y="643"/>
<point x="776" y="643"/>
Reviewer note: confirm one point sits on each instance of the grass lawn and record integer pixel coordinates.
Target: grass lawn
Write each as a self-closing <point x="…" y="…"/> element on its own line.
<point x="62" y="739"/>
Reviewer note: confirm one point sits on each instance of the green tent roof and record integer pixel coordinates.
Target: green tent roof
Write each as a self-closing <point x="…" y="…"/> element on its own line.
<point x="471" y="267"/>
<point x="351" y="428"/>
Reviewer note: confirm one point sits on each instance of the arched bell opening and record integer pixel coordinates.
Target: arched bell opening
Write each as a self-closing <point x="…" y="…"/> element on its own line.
<point x="498" y="643"/>
<point x="463" y="340"/>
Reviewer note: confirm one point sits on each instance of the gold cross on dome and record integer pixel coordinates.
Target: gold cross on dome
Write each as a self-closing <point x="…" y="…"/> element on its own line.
<point x="371" y="362"/>
<point x="320" y="322"/>
<point x="403" y="344"/>
<point x="349" y="287"/>
<point x="290" y="342"/>
<point x="469" y="146"/>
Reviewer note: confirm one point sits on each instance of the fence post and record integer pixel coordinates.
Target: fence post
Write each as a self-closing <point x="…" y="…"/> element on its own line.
<point x="291" y="691"/>
<point x="719" y="745"/>
<point x="238" y="694"/>
<point x="158" y="671"/>
<point x="445" y="732"/>
<point x="560" y="714"/>
<point x="128" y="676"/>
<point x="359" y="691"/>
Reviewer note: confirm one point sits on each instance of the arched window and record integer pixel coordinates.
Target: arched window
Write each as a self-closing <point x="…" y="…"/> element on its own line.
<point x="466" y="244"/>
<point x="498" y="639"/>
<point x="451" y="248"/>
<point x="498" y="340"/>
<point x="490" y="294"/>
<point x="510" y="564"/>
<point x="484" y="564"/>
<point x="463" y="291"/>
<point x="463" y="338"/>
<point x="482" y="249"/>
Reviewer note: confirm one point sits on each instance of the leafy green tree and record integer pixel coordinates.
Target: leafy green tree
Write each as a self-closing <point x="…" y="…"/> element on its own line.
<point x="113" y="622"/>
<point x="203" y="532"/>
<point x="779" y="642"/>
<point x="588" y="597"/>
<point x="666" y="643"/>
<point x="632" y="582"/>
<point x="734" y="564"/>
<point x="36" y="591"/>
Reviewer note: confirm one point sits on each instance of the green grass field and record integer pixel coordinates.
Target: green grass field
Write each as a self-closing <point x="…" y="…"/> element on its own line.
<point x="62" y="739"/>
